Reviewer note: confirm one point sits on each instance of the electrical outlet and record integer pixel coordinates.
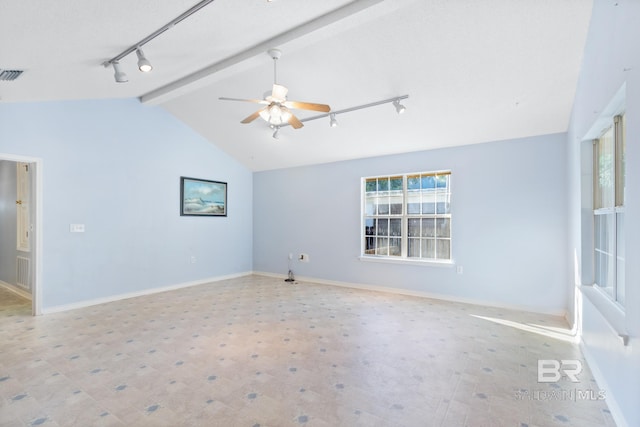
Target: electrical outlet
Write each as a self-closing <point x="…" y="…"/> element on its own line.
<point x="459" y="269"/>
<point x="303" y="258"/>
<point x="193" y="259"/>
<point x="290" y="256"/>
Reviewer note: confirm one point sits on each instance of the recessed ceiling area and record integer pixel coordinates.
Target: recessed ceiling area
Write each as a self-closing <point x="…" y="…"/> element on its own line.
<point x="474" y="71"/>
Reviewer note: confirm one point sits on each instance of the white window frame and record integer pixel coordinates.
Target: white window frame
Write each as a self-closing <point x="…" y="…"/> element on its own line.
<point x="615" y="253"/>
<point x="403" y="258"/>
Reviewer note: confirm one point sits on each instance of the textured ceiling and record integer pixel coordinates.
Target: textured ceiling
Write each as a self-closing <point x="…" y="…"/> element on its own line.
<point x="474" y="71"/>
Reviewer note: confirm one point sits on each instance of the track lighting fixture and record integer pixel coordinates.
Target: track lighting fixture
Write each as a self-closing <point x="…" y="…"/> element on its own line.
<point x="143" y="63"/>
<point x="399" y="107"/>
<point x="118" y="74"/>
<point x="332" y="120"/>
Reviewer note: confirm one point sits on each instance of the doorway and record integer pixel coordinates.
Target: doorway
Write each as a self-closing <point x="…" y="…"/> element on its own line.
<point x="26" y="260"/>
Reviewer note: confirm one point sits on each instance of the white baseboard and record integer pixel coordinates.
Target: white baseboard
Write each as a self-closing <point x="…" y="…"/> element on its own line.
<point x="97" y="301"/>
<point x="16" y="290"/>
<point x="409" y="292"/>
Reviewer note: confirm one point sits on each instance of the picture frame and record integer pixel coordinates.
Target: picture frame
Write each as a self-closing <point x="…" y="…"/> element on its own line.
<point x="202" y="197"/>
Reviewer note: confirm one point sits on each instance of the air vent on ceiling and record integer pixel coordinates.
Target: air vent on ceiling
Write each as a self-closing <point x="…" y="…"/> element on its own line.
<point x="10" y="75"/>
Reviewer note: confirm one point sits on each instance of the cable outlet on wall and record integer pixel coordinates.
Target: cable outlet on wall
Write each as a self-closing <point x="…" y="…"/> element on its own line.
<point x="459" y="269"/>
<point x="303" y="258"/>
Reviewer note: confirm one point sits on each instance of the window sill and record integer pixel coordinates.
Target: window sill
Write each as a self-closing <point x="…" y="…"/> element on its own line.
<point x="611" y="311"/>
<point x="422" y="263"/>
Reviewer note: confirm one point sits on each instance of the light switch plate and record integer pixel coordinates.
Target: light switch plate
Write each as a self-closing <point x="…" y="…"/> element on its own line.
<point x="76" y="228"/>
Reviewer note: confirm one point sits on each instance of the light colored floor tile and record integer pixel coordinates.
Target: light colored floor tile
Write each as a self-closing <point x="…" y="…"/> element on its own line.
<point x="257" y="351"/>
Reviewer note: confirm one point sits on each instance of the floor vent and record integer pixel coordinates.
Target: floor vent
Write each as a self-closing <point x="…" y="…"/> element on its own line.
<point x="10" y="75"/>
<point x="23" y="273"/>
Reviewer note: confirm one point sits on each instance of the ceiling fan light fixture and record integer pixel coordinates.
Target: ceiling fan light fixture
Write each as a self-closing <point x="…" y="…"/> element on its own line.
<point x="399" y="107"/>
<point x="332" y="120"/>
<point x="143" y="63"/>
<point x="118" y="74"/>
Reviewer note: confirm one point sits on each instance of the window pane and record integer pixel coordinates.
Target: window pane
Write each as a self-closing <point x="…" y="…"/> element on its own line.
<point x="428" y="248"/>
<point x="395" y="247"/>
<point x="413" y="182"/>
<point x="620" y="162"/>
<point x="369" y="227"/>
<point x="383" y="184"/>
<point x="383" y="206"/>
<point x="382" y="246"/>
<point x="383" y="227"/>
<point x="413" y="204"/>
<point x="443" y="227"/>
<point x="396" y="204"/>
<point x="442" y="203"/>
<point x="396" y="227"/>
<point x="428" y="181"/>
<point x="396" y="183"/>
<point x="370" y="206"/>
<point x="442" y="181"/>
<point x="605" y="179"/>
<point x="620" y="254"/>
<point x="443" y="248"/>
<point x="371" y="184"/>
<point x="414" y="248"/>
<point x="604" y="245"/>
<point x="428" y="202"/>
<point x="428" y="227"/>
<point x="414" y="227"/>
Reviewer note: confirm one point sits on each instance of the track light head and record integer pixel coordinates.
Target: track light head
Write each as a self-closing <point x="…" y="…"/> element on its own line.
<point x="399" y="107"/>
<point x="143" y="63"/>
<point x="118" y="74"/>
<point x="332" y="120"/>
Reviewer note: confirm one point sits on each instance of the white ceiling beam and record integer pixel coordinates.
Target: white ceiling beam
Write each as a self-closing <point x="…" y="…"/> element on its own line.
<point x="200" y="78"/>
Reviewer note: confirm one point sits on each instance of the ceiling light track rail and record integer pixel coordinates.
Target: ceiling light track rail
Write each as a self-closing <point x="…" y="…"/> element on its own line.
<point x="333" y="113"/>
<point x="157" y="32"/>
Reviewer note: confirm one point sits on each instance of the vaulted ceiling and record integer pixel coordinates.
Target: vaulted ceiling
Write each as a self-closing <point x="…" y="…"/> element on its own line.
<point x="475" y="71"/>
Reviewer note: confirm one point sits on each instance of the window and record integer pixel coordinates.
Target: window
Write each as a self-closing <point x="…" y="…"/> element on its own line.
<point x="408" y="216"/>
<point x="608" y="210"/>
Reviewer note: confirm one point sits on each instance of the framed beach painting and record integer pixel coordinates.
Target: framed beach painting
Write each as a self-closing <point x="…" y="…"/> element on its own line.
<point x="201" y="197"/>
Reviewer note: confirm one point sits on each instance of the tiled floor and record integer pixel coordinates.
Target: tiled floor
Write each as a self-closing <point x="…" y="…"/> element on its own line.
<point x="257" y="351"/>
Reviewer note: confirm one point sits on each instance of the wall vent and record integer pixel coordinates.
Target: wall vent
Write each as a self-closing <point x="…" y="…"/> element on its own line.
<point x="10" y="75"/>
<point x="23" y="273"/>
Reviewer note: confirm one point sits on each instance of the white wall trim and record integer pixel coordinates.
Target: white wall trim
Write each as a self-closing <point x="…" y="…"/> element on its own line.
<point x="612" y="404"/>
<point x="400" y="291"/>
<point x="119" y="297"/>
<point x="37" y="252"/>
<point x="16" y="290"/>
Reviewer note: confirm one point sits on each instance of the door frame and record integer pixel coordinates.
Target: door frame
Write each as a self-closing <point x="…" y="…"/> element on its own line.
<point x="36" y="215"/>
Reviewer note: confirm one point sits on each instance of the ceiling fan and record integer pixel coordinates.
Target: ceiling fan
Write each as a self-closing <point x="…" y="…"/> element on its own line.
<point x="277" y="109"/>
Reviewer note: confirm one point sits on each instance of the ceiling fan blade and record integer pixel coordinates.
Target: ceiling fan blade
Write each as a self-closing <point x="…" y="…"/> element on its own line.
<point x="294" y="122"/>
<point x="279" y="92"/>
<point x="307" y="106"/>
<point x="257" y="101"/>
<point x="254" y="116"/>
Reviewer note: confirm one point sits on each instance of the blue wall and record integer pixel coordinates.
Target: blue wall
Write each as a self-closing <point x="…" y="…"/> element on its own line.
<point x="508" y="226"/>
<point x="611" y="60"/>
<point x="115" y="166"/>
